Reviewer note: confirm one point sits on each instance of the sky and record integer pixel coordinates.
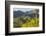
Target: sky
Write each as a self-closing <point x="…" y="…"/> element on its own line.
<point x="22" y="9"/>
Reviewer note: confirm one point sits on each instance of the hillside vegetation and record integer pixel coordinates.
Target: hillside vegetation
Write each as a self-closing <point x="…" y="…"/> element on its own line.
<point x="26" y="22"/>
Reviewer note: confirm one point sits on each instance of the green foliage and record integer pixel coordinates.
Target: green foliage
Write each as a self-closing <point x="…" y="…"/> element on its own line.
<point x="29" y="22"/>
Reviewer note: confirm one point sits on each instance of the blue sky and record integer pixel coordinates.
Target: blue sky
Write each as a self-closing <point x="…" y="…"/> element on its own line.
<point x="22" y="9"/>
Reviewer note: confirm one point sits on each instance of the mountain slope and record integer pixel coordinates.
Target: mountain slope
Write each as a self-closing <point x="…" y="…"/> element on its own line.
<point x="18" y="13"/>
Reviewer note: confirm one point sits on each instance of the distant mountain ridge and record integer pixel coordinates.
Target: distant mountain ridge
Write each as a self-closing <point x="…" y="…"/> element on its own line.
<point x="20" y="13"/>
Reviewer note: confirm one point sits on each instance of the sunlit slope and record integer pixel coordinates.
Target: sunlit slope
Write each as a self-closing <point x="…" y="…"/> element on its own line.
<point x="32" y="22"/>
